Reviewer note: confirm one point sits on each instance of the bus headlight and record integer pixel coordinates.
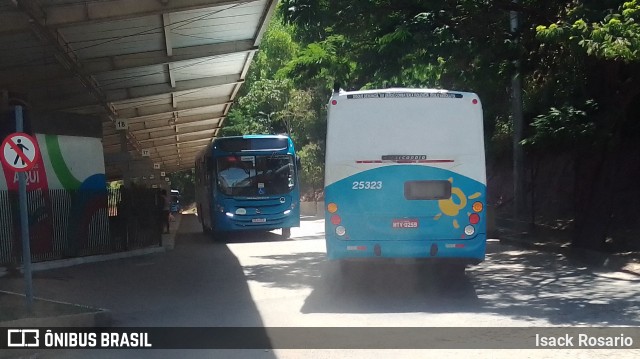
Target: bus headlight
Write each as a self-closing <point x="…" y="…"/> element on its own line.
<point x="340" y="230"/>
<point x="229" y="214"/>
<point x="241" y="211"/>
<point x="287" y="212"/>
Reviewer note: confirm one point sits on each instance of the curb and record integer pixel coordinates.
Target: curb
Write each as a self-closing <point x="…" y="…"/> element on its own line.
<point x="100" y="318"/>
<point x="90" y="317"/>
<point x="63" y="263"/>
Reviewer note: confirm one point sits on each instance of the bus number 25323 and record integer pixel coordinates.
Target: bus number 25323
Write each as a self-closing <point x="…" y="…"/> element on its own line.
<point x="367" y="185"/>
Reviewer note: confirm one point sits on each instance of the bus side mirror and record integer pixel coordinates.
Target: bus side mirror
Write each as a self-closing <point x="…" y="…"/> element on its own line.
<point x="298" y="162"/>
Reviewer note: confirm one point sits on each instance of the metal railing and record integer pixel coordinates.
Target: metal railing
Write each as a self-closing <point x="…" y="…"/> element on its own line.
<point x="65" y="224"/>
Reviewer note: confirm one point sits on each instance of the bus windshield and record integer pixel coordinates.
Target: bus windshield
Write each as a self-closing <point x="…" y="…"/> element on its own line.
<point x="256" y="175"/>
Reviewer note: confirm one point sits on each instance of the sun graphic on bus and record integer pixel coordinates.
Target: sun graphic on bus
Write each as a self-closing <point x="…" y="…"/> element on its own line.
<point x="451" y="207"/>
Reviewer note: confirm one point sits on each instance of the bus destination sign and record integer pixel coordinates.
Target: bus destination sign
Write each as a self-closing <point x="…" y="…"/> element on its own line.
<point x="358" y="96"/>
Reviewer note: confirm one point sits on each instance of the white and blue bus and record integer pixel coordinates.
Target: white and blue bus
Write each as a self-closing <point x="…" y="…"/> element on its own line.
<point x="405" y="176"/>
<point x="248" y="183"/>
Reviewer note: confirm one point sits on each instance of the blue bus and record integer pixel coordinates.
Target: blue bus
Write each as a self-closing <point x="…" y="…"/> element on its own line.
<point x="248" y="183"/>
<point x="405" y="177"/>
<point x="174" y="199"/>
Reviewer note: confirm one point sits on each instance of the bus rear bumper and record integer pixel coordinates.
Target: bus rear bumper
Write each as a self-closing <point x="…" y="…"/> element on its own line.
<point x="451" y="251"/>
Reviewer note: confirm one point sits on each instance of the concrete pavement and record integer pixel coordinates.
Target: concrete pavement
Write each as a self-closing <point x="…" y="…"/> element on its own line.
<point x="261" y="280"/>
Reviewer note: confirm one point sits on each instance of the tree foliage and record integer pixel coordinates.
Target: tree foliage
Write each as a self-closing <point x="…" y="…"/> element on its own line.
<point x="616" y="37"/>
<point x="579" y="62"/>
<point x="184" y="181"/>
<point x="273" y="103"/>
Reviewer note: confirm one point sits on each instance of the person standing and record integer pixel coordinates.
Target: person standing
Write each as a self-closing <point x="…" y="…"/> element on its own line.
<point x="164" y="199"/>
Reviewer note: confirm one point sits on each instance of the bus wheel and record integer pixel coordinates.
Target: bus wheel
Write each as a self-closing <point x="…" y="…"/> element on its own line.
<point x="286" y="233"/>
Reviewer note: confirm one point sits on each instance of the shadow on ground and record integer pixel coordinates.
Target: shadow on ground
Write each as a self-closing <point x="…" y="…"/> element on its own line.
<point x="199" y="283"/>
<point x="523" y="284"/>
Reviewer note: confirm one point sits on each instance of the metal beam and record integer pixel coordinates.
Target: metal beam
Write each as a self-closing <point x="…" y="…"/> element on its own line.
<point x="101" y="65"/>
<point x="144" y="94"/>
<point x="70" y="14"/>
<point x="184" y="152"/>
<point x="213" y="123"/>
<point x="164" y="124"/>
<point x="179" y="168"/>
<point x="172" y="165"/>
<point x="151" y="111"/>
<point x="147" y="135"/>
<point x="180" y="120"/>
<point x="188" y="133"/>
<point x="182" y="143"/>
<point x="62" y="53"/>
<point x="166" y="21"/>
<point x="195" y="128"/>
<point x="170" y="140"/>
<point x="176" y="156"/>
<point x="173" y="151"/>
<point x="264" y="21"/>
<point x="160" y="57"/>
<point x="66" y="58"/>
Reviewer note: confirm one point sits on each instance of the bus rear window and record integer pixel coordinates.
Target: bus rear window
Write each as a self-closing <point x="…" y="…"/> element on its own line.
<point x="427" y="190"/>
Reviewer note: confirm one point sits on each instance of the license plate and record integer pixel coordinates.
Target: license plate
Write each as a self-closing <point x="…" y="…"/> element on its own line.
<point x="259" y="220"/>
<point x="404" y="223"/>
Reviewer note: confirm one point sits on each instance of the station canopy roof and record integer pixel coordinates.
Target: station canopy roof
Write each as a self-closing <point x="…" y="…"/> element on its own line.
<point x="170" y="68"/>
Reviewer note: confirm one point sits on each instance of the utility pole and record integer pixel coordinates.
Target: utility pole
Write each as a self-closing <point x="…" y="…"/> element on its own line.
<point x="24" y="221"/>
<point x="518" y="129"/>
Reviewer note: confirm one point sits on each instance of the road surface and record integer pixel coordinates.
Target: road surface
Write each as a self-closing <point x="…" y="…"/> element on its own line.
<point x="260" y="280"/>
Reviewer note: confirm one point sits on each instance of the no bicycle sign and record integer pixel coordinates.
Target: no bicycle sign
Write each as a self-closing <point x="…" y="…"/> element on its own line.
<point x="19" y="151"/>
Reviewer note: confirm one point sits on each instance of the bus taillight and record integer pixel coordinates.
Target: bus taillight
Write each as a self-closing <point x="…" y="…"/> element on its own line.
<point x="477" y="207"/>
<point x="332" y="207"/>
<point x="474" y="218"/>
<point x="335" y="220"/>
